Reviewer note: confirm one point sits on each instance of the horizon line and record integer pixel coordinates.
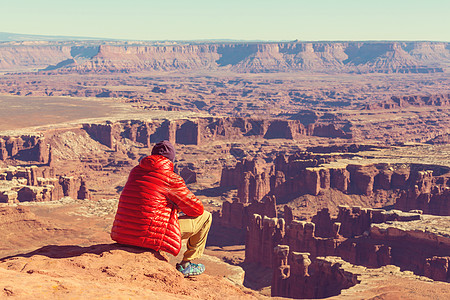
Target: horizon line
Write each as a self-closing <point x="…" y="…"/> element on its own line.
<point x="68" y="38"/>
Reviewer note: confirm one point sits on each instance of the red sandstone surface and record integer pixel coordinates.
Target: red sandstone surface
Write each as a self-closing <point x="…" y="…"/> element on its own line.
<point x="398" y="57"/>
<point x="299" y="167"/>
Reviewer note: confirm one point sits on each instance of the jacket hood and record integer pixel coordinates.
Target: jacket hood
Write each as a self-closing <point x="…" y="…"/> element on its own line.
<point x="153" y="162"/>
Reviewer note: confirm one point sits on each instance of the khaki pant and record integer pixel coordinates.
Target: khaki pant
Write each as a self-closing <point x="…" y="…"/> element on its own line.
<point x="196" y="231"/>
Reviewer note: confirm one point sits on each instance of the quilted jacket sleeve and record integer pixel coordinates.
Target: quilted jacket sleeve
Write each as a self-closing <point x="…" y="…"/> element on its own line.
<point x="184" y="198"/>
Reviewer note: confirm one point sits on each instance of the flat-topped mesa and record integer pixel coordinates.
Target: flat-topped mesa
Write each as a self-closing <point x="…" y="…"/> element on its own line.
<point x="32" y="184"/>
<point x="298" y="276"/>
<point x="360" y="57"/>
<point x="368" y="237"/>
<point x="300" y="174"/>
<point x="415" y="186"/>
<point x="431" y="235"/>
<point x="200" y="130"/>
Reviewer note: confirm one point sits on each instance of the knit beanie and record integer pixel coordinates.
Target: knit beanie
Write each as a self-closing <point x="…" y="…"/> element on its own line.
<point x="164" y="148"/>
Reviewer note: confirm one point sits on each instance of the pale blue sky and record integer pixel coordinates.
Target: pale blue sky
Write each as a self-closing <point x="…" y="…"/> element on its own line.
<point x="231" y="19"/>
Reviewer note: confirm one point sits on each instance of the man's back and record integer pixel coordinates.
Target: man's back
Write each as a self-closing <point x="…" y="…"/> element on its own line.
<point x="148" y="206"/>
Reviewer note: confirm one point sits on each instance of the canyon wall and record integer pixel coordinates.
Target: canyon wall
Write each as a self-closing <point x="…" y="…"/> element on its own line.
<point x="200" y="130"/>
<point x="237" y="215"/>
<point x="423" y="187"/>
<point x="296" y="276"/>
<point x="37" y="184"/>
<point x="361" y="57"/>
<point x="368" y="237"/>
<point x="412" y="100"/>
<point x="186" y="132"/>
<point x="32" y="57"/>
<point x="25" y="147"/>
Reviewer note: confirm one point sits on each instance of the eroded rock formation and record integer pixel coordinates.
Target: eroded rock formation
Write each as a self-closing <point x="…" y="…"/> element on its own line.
<point x="203" y="130"/>
<point x="295" y="276"/>
<point x="237" y="214"/>
<point x="361" y="57"/>
<point x="413" y="100"/>
<point x="33" y="184"/>
<point x="25" y="147"/>
<point x="423" y="187"/>
<point x="368" y="237"/>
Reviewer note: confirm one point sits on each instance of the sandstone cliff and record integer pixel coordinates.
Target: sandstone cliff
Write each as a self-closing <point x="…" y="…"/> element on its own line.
<point x="368" y="237"/>
<point x="361" y="57"/>
<point x="203" y="130"/>
<point x="34" y="184"/>
<point x="415" y="186"/>
<point x="413" y="100"/>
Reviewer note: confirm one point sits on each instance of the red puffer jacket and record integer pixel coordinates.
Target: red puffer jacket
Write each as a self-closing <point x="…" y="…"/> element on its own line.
<point x="147" y="215"/>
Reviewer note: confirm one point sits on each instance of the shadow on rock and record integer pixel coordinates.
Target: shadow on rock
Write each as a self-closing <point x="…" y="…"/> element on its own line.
<point x="256" y="277"/>
<point x="213" y="192"/>
<point x="56" y="251"/>
<point x="223" y="236"/>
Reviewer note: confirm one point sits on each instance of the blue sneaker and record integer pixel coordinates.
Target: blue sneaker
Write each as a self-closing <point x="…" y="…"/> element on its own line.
<point x="191" y="269"/>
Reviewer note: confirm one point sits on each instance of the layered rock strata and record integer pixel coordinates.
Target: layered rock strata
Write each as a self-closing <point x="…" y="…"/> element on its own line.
<point x="368" y="237"/>
<point x="25" y="147"/>
<point x="412" y="100"/>
<point x="184" y="131"/>
<point x="237" y="214"/>
<point x="34" y="184"/>
<point x="360" y="57"/>
<point x="423" y="187"/>
<point x="299" y="278"/>
<point x="201" y="130"/>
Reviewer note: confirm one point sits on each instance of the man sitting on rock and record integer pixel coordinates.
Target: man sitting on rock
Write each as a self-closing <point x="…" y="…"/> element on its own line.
<point x="149" y="207"/>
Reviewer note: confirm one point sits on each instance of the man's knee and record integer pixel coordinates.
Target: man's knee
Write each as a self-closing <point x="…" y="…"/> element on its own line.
<point x="208" y="218"/>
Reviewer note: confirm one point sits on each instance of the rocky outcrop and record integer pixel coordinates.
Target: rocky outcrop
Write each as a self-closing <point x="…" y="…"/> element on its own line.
<point x="232" y="175"/>
<point x="362" y="178"/>
<point x="361" y="57"/>
<point x="442" y="139"/>
<point x="295" y="276"/>
<point x="329" y="130"/>
<point x="103" y="133"/>
<point x="237" y="215"/>
<point x="98" y="270"/>
<point x="438" y="268"/>
<point x="412" y="100"/>
<point x="423" y="187"/>
<point x="263" y="235"/>
<point x="31" y="184"/>
<point x="368" y="237"/>
<point x="253" y="187"/>
<point x="340" y="179"/>
<point x="83" y="191"/>
<point x="427" y="193"/>
<point x="25" y="147"/>
<point x="199" y="131"/>
<point x="188" y="175"/>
